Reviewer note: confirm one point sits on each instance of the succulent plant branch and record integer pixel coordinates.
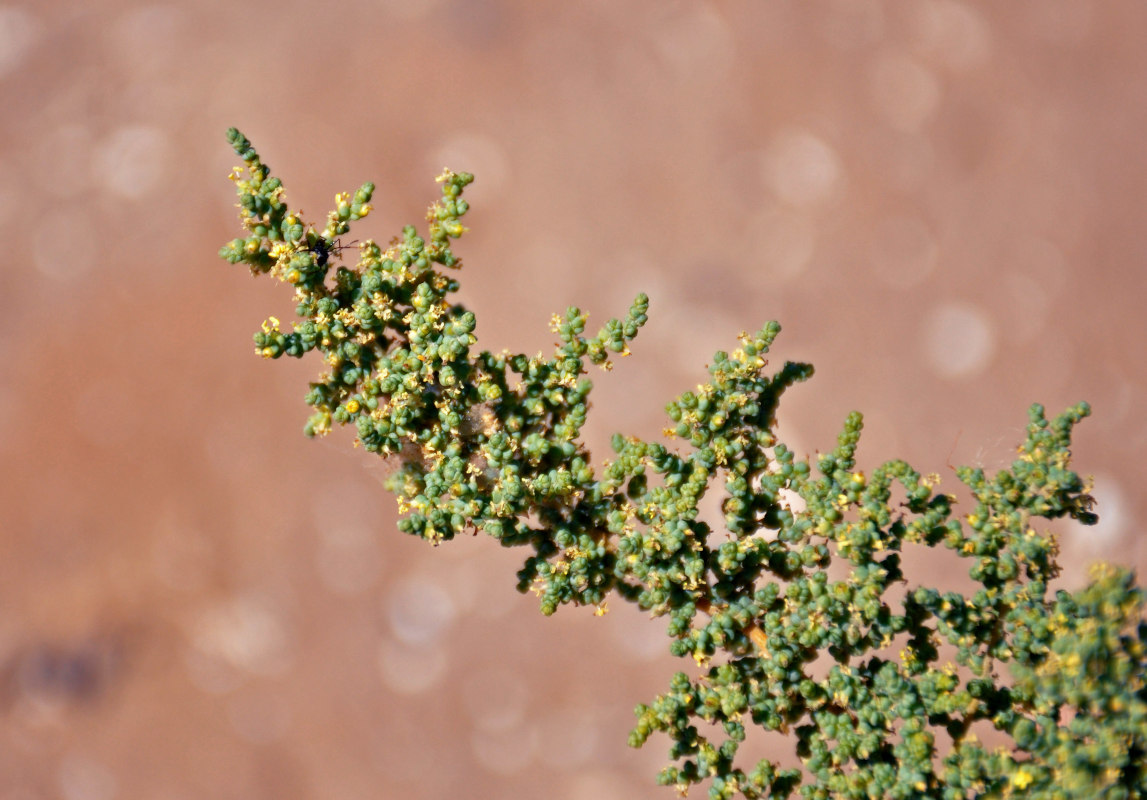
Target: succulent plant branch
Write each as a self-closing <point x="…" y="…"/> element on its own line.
<point x="492" y="442"/>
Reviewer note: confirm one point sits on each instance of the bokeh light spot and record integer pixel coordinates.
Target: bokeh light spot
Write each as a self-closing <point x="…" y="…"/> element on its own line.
<point x="958" y="340"/>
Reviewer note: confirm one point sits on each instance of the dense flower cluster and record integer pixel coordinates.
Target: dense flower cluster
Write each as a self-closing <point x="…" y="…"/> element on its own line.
<point x="881" y="682"/>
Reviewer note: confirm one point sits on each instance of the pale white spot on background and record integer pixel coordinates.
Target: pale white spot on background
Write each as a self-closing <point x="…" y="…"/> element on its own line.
<point x="782" y="241"/>
<point x="83" y="778"/>
<point x="495" y="699"/>
<point x="420" y="611"/>
<point x="130" y="162"/>
<point x="259" y="717"/>
<point x="958" y="340"/>
<point x="954" y="32"/>
<point x="568" y="738"/>
<point x="904" y="252"/>
<point x="410" y="670"/>
<point x="348" y="559"/>
<point x="850" y="24"/>
<point x="246" y="632"/>
<point x="19" y="31"/>
<point x="505" y="752"/>
<point x="905" y="93"/>
<point x="801" y="169"/>
<point x="478" y="154"/>
<point x="696" y="42"/>
<point x="66" y="243"/>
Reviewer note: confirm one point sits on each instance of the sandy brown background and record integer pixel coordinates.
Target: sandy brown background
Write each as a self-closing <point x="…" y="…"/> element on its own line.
<point x="941" y="201"/>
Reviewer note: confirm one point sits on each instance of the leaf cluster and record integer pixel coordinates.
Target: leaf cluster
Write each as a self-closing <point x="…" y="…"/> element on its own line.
<point x="877" y="677"/>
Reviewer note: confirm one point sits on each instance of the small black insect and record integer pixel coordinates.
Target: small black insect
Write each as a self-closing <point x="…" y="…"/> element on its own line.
<point x="324" y="249"/>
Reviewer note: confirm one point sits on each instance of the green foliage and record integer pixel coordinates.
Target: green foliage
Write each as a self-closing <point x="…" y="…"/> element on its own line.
<point x="877" y="679"/>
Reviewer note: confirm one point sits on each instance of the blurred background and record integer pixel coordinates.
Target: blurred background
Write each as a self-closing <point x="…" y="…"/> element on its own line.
<point x="941" y="202"/>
